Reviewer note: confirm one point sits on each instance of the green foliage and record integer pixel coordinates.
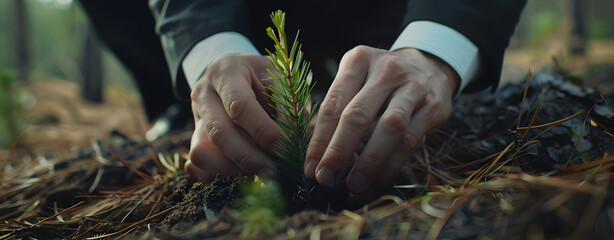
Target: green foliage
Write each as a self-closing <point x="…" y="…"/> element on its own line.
<point x="260" y="208"/>
<point x="599" y="28"/>
<point x="545" y="24"/>
<point x="263" y="202"/>
<point x="11" y="111"/>
<point x="290" y="93"/>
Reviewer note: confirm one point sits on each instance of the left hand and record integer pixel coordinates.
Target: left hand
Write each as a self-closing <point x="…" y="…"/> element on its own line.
<point x="411" y="89"/>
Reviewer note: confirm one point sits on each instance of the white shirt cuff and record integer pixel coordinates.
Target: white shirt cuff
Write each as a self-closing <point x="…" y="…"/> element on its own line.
<point x="445" y="43"/>
<point x="212" y="47"/>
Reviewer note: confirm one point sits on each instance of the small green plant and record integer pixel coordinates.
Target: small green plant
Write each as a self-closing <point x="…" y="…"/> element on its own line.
<point x="11" y="111"/>
<point x="263" y="203"/>
<point x="260" y="207"/>
<point x="290" y="93"/>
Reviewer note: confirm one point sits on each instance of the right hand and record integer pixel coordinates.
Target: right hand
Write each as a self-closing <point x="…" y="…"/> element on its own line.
<point x="233" y="131"/>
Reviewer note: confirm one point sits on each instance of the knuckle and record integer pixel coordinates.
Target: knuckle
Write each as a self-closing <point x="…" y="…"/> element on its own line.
<point x="411" y="139"/>
<point x="419" y="85"/>
<point x="331" y="107"/>
<point x="317" y="147"/>
<point x="199" y="91"/>
<point x="263" y="136"/>
<point x="355" y="55"/>
<point x="435" y="109"/>
<point x="358" y="51"/>
<point x="195" y="95"/>
<point x="215" y="130"/>
<point x="222" y="62"/>
<point x="391" y="63"/>
<point x="244" y="160"/>
<point x="350" y="74"/>
<point x="395" y="120"/>
<point x="371" y="162"/>
<point x="217" y="72"/>
<point x="237" y="106"/>
<point x="336" y="157"/>
<point x="317" y="143"/>
<point x="439" y="110"/>
<point x="356" y="116"/>
<point x="218" y="66"/>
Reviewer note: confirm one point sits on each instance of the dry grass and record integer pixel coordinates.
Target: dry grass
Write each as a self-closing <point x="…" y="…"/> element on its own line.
<point x="494" y="198"/>
<point x="27" y="186"/>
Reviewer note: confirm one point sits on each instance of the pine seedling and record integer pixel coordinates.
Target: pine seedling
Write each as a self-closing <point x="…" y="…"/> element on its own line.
<point x="290" y="95"/>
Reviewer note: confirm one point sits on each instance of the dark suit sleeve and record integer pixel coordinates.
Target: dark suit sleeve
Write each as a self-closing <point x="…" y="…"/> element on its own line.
<point x="489" y="24"/>
<point x="183" y="23"/>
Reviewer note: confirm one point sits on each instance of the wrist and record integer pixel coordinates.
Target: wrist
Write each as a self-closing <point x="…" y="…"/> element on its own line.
<point x="452" y="78"/>
<point x="210" y="49"/>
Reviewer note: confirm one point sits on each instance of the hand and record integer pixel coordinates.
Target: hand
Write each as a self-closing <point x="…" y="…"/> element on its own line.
<point x="232" y="123"/>
<point x="413" y="91"/>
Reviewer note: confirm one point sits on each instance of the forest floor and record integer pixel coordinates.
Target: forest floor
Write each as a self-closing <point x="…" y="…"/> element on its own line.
<point x="503" y="166"/>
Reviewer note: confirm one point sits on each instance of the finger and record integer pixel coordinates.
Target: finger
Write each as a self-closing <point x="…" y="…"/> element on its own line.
<point x="354" y="122"/>
<point x="434" y="111"/>
<point x="196" y="172"/>
<point x="364" y="188"/>
<point x="232" y="141"/>
<point x="196" y="97"/>
<point x="350" y="78"/>
<point x="389" y="131"/>
<point x="386" y="75"/>
<point x="237" y="91"/>
<point x="422" y="121"/>
<point x="206" y="157"/>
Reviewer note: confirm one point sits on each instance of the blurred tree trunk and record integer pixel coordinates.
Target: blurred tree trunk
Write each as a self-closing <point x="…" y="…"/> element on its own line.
<point x="92" y="67"/>
<point x="578" y="34"/>
<point x="20" y="40"/>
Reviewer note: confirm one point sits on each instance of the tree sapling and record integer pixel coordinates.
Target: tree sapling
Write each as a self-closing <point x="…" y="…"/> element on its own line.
<point x="290" y="94"/>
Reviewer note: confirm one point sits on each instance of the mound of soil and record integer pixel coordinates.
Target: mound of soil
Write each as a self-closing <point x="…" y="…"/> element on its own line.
<point x="555" y="181"/>
<point x="485" y="124"/>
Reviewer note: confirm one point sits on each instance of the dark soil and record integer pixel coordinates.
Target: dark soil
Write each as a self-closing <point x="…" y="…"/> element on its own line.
<point x="486" y="123"/>
<point x="194" y="199"/>
<point x="481" y="125"/>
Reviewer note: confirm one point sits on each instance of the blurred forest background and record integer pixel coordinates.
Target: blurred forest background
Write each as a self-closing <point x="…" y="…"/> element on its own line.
<point x="48" y="45"/>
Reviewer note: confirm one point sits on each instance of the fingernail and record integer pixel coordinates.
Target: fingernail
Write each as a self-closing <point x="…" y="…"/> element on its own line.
<point x="358" y="183"/>
<point x="266" y="173"/>
<point x="325" y="177"/>
<point x="311" y="168"/>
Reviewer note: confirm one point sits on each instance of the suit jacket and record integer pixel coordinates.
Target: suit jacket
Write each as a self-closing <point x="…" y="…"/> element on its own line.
<point x="330" y="28"/>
